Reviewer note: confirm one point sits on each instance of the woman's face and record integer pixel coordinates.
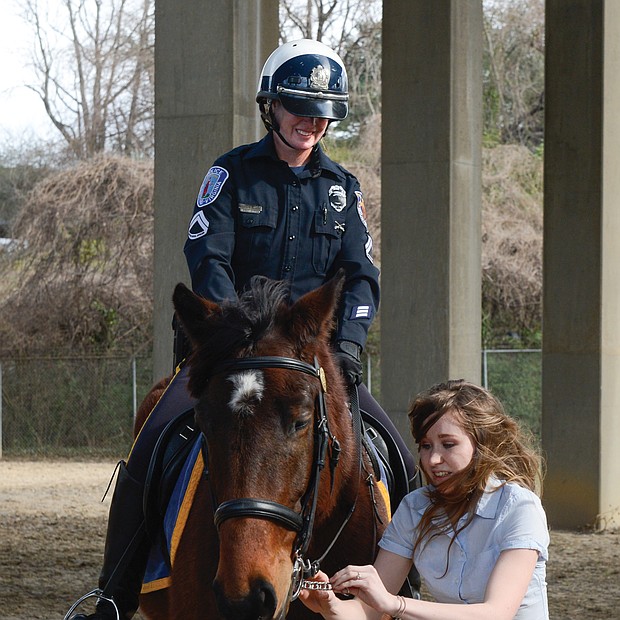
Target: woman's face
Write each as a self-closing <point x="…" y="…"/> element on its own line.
<point x="301" y="132"/>
<point x="445" y="450"/>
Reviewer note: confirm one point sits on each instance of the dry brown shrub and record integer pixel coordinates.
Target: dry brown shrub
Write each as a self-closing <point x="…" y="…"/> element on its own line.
<point x="82" y="281"/>
<point x="512" y="222"/>
<point x="512" y="194"/>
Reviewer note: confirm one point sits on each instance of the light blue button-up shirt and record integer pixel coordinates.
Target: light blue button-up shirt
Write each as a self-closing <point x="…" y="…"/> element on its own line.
<point x="510" y="517"/>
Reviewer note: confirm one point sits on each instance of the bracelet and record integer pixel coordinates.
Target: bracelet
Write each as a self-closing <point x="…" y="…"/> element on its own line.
<point x="401" y="607"/>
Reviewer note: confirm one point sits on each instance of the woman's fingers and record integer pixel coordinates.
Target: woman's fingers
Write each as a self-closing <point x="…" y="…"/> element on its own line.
<point x="315" y="599"/>
<point x="352" y="576"/>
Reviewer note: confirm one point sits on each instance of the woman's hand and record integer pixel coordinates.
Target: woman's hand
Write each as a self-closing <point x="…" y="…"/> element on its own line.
<point x="320" y="601"/>
<point x="365" y="583"/>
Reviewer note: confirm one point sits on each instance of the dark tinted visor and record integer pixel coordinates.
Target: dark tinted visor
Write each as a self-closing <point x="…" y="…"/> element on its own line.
<point x="315" y="108"/>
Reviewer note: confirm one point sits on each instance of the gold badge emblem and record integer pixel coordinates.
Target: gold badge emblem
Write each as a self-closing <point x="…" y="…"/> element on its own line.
<point x="319" y="78"/>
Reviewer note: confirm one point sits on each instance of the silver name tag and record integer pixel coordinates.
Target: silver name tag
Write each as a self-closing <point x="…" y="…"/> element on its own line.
<point x="250" y="208"/>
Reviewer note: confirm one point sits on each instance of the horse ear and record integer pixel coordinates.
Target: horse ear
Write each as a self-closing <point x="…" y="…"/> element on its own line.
<point x="193" y="312"/>
<point x="313" y="314"/>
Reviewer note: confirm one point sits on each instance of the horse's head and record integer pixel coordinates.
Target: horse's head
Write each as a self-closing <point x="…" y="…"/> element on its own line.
<point x="253" y="372"/>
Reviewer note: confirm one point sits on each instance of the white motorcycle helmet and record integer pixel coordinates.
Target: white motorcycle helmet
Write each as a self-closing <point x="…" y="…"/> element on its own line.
<point x="308" y="78"/>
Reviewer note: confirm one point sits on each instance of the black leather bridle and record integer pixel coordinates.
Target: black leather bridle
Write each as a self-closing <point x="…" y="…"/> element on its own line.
<point x="303" y="522"/>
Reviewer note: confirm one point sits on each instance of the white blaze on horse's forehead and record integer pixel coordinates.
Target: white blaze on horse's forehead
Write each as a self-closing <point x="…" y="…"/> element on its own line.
<point x="248" y="387"/>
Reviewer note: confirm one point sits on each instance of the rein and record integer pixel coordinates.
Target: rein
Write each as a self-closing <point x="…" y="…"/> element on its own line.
<point x="303" y="522"/>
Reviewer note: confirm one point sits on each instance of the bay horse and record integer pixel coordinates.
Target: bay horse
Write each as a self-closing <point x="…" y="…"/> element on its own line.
<point x="286" y="484"/>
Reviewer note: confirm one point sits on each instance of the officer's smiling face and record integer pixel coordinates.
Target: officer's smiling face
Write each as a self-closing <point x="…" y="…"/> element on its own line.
<point x="301" y="132"/>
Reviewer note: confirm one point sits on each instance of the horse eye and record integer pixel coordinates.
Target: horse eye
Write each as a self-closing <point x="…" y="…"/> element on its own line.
<point x="299" y="425"/>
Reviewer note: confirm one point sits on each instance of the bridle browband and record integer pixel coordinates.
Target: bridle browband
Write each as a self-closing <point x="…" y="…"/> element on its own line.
<point x="302" y="523"/>
<point x="267" y="361"/>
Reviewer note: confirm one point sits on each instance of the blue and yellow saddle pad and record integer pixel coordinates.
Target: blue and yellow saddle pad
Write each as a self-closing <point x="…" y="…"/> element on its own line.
<point x="157" y="575"/>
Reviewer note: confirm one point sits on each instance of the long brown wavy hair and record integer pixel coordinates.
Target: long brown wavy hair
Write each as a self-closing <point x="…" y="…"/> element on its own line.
<point x="502" y="448"/>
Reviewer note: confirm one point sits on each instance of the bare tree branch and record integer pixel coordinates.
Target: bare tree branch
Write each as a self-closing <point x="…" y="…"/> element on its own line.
<point x="95" y="74"/>
<point x="514" y="71"/>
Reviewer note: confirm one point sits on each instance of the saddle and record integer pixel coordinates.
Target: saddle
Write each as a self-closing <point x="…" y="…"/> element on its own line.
<point x="169" y="457"/>
<point x="376" y="435"/>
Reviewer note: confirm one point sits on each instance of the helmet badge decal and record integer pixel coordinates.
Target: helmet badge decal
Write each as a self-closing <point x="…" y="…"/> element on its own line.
<point x="319" y="78"/>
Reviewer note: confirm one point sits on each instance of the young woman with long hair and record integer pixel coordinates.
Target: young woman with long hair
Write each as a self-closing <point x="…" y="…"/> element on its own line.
<point x="477" y="532"/>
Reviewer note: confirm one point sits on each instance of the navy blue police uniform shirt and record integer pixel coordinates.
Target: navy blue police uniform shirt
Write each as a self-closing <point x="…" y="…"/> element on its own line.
<point x="255" y="216"/>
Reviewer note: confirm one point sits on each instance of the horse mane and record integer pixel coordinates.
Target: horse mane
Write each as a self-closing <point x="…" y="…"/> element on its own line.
<point x="240" y="324"/>
<point x="258" y="305"/>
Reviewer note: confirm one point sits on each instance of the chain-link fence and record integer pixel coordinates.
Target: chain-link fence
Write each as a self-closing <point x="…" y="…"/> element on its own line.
<point x="71" y="407"/>
<point x="515" y="377"/>
<point x="85" y="407"/>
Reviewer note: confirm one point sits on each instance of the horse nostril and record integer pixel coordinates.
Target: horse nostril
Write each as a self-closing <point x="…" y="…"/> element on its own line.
<point x="259" y="603"/>
<point x="266" y="598"/>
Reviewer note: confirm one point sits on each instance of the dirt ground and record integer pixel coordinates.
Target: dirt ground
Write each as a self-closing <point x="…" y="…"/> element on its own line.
<point x="52" y="531"/>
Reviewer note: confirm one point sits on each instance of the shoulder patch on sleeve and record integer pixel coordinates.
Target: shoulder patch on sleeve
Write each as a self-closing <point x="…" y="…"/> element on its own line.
<point x="361" y="211"/>
<point x="361" y="208"/>
<point x="212" y="185"/>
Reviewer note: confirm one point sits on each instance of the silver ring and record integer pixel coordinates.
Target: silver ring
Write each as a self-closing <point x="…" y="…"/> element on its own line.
<point x="358" y="576"/>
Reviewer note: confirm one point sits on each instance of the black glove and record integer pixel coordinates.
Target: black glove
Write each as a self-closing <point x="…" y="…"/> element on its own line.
<point x="348" y="358"/>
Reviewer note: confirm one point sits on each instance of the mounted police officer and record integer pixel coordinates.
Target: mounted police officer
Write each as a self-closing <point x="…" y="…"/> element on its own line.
<point x="280" y="208"/>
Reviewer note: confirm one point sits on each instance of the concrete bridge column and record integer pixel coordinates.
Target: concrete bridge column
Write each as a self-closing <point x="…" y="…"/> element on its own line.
<point x="581" y="319"/>
<point x="208" y="57"/>
<point x="431" y="197"/>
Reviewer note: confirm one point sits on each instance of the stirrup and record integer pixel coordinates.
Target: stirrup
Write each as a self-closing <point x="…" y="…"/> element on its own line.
<point x="97" y="592"/>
